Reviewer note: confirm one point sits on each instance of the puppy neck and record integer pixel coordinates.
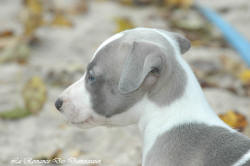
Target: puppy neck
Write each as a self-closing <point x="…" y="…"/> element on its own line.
<point x="190" y="107"/>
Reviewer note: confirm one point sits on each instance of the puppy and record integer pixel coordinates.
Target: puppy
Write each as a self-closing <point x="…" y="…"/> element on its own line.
<point x="138" y="76"/>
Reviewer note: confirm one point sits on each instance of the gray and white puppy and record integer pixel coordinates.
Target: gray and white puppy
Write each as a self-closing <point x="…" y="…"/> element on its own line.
<point x="138" y="76"/>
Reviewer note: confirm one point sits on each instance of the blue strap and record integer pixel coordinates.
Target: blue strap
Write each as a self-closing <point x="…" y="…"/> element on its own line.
<point x="234" y="38"/>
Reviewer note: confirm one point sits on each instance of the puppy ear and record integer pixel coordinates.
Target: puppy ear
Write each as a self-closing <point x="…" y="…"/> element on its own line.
<point x="183" y="43"/>
<point x="145" y="57"/>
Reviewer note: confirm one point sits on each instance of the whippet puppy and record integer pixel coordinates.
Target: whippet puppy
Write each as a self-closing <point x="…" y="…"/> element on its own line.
<point x="138" y="76"/>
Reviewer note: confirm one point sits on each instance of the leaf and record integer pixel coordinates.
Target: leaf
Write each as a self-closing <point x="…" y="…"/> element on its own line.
<point x="17" y="51"/>
<point x="35" y="6"/>
<point x="231" y="65"/>
<point x="34" y="94"/>
<point x="6" y="33"/>
<point x="127" y="2"/>
<point x="31" y="24"/>
<point x="75" y="153"/>
<point x="138" y="2"/>
<point x="15" y="113"/>
<point x="245" y="76"/>
<point x="123" y="23"/>
<point x="53" y="158"/>
<point x="179" y="3"/>
<point x="60" y="20"/>
<point x="33" y="17"/>
<point x="6" y="42"/>
<point x="78" y="8"/>
<point x="6" y="38"/>
<point x="56" y="154"/>
<point x="234" y="119"/>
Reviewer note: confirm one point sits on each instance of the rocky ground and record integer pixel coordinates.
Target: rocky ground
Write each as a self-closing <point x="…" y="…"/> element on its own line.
<point x="60" y="58"/>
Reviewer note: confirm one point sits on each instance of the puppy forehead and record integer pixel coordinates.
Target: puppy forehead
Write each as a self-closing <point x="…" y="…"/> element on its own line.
<point x="106" y="42"/>
<point x="112" y="52"/>
<point x="110" y="55"/>
<point x="129" y="36"/>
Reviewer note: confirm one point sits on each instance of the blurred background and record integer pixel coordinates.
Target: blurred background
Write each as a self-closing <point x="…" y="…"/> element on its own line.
<point x="45" y="46"/>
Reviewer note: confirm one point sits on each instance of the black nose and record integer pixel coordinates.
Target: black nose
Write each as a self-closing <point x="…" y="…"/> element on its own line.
<point x="58" y="104"/>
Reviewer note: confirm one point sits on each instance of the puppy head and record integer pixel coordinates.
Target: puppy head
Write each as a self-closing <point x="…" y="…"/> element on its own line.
<point x="124" y="69"/>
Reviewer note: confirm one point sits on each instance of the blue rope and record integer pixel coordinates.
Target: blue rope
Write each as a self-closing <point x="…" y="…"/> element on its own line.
<point x="234" y="38"/>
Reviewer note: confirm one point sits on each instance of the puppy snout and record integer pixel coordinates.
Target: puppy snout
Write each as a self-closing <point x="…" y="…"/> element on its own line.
<point x="58" y="104"/>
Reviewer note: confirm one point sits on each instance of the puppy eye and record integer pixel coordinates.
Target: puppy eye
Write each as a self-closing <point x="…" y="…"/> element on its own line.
<point x="155" y="70"/>
<point x="91" y="78"/>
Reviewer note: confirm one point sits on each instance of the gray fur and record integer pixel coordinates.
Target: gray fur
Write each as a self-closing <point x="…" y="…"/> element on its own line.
<point x="197" y="145"/>
<point x="183" y="43"/>
<point x="144" y="58"/>
<point x="105" y="98"/>
<point x="171" y="83"/>
<point x="123" y="71"/>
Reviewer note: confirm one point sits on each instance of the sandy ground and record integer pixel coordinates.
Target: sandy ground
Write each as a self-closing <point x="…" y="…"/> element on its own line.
<point x="70" y="49"/>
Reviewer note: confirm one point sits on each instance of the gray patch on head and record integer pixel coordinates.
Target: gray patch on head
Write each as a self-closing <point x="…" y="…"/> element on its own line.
<point x="106" y="99"/>
<point x="114" y="59"/>
<point x="197" y="144"/>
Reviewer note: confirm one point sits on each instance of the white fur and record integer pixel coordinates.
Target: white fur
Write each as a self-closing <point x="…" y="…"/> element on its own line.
<point x="155" y="121"/>
<point x="76" y="98"/>
<point x="243" y="159"/>
<point x="77" y="106"/>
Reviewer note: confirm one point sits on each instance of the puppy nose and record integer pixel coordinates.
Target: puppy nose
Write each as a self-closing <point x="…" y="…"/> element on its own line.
<point x="59" y="104"/>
